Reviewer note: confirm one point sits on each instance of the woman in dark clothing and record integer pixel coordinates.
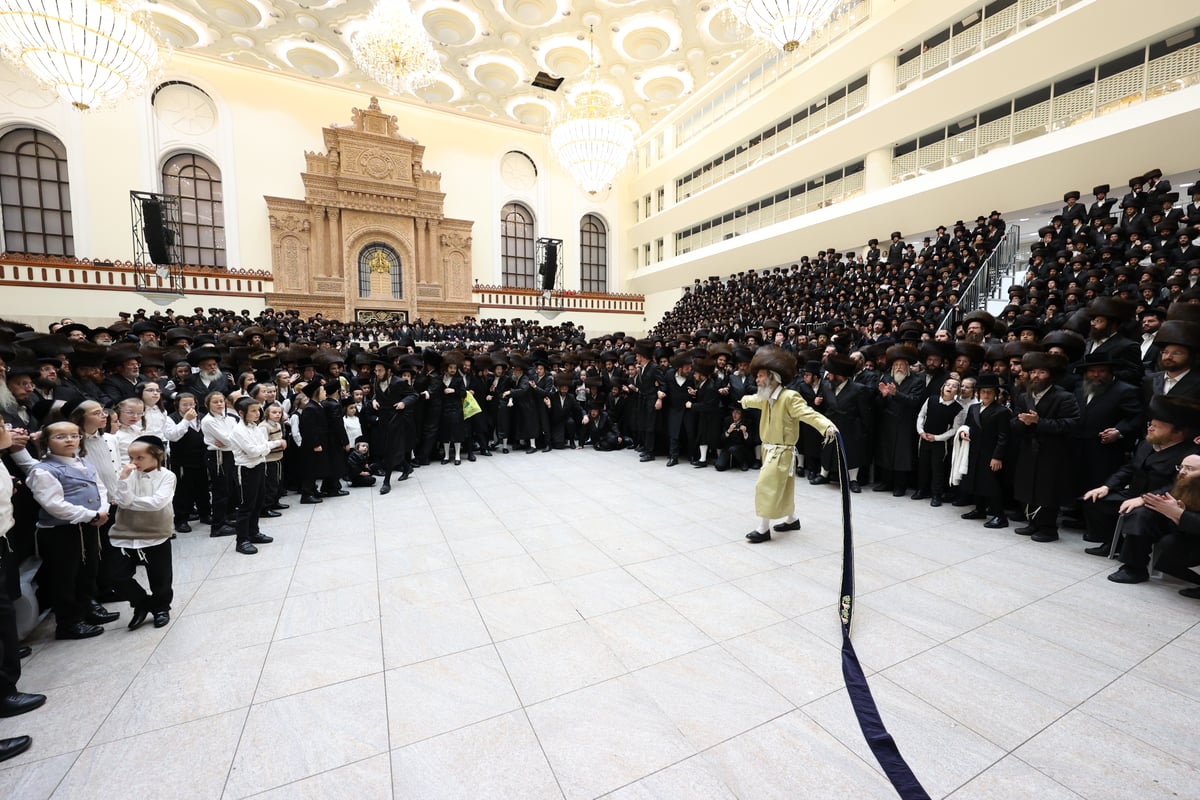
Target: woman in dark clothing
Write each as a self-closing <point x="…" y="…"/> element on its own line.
<point x="453" y="427"/>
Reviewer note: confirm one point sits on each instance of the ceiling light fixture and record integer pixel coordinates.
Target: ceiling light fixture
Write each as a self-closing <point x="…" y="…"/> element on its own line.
<point x="785" y="23"/>
<point x="89" y="52"/>
<point x="593" y="137"/>
<point x="393" y="48"/>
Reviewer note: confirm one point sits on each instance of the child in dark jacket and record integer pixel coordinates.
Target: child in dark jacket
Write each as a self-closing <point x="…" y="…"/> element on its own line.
<point x="358" y="465"/>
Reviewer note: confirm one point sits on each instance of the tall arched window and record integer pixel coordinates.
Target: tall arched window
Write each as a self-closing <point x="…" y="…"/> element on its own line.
<point x="516" y="246"/>
<point x="378" y="258"/>
<point x="35" y="194"/>
<point x="197" y="183"/>
<point x="593" y="254"/>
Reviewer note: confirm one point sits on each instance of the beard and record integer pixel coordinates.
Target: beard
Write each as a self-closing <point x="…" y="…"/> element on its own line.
<point x="1098" y="334"/>
<point x="1036" y="386"/>
<point x="899" y="374"/>
<point x="210" y="377"/>
<point x="764" y="392"/>
<point x="1094" y="387"/>
<point x="1187" y="490"/>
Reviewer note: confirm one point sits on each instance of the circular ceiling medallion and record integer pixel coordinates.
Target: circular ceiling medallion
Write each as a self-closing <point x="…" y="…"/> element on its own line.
<point x="312" y="63"/>
<point x="234" y="12"/>
<point x="532" y="13"/>
<point x="645" y="44"/>
<point x="497" y="76"/>
<point x="242" y="40"/>
<point x="566" y="60"/>
<point x="184" y="109"/>
<point x="307" y="21"/>
<point x="449" y="26"/>
<point x="437" y="92"/>
<point x="721" y="28"/>
<point x="178" y="34"/>
<point x="663" y="90"/>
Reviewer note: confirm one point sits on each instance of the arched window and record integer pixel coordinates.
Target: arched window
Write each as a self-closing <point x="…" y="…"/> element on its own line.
<point x="516" y="246"/>
<point x="593" y="254"/>
<point x="379" y="259"/>
<point x="197" y="183"/>
<point x="35" y="194"/>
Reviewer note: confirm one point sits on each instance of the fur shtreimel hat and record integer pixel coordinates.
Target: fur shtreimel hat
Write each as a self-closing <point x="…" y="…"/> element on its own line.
<point x="774" y="359"/>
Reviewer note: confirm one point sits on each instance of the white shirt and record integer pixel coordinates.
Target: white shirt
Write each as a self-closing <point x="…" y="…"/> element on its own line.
<point x="102" y="454"/>
<point x="353" y="427"/>
<point x="159" y="424"/>
<point x="48" y="493"/>
<point x="218" y="429"/>
<point x="250" y="445"/>
<point x="1169" y="382"/>
<point x="144" y="491"/>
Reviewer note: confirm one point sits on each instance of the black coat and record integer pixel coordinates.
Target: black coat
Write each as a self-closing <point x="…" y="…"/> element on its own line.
<point x="314" y="432"/>
<point x="989" y="431"/>
<point x="1044" y="453"/>
<point x="707" y="406"/>
<point x="1187" y="387"/>
<point x="1117" y="407"/>
<point x="896" y="444"/>
<point x="853" y="412"/>
<point x="394" y="429"/>
<point x="524" y="416"/>
<point x="1149" y="470"/>
<point x="453" y="427"/>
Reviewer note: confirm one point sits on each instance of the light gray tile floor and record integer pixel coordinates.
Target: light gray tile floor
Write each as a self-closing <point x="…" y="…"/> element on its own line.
<point x="580" y="625"/>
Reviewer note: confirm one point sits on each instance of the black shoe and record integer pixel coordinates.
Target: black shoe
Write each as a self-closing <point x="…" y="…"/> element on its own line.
<point x="899" y="491"/>
<point x="99" y="615"/>
<point x="1044" y="536"/>
<point x="646" y="457"/>
<point x="936" y="502"/>
<point x="183" y="527"/>
<point x="919" y="495"/>
<point x="11" y="748"/>
<point x="309" y="499"/>
<point x="24" y="651"/>
<point x="546" y="449"/>
<point x="335" y="493"/>
<point x="458" y="462"/>
<point x="504" y="450"/>
<point x="268" y="513"/>
<point x="996" y="522"/>
<point x="404" y="475"/>
<point x="754" y="537"/>
<point x="387" y="487"/>
<point x="1099" y="550"/>
<point x="820" y="480"/>
<point x="278" y="506"/>
<point x="485" y="453"/>
<point x="246" y="548"/>
<point x="529" y="451"/>
<point x="139" y="616"/>
<point x="672" y="461"/>
<point x="261" y="538"/>
<point x="700" y="464"/>
<point x="1192" y="592"/>
<point x="1025" y="530"/>
<point x="447" y="461"/>
<point x="1127" y="575"/>
<point x="855" y="488"/>
<point x="794" y="525"/>
<point x="80" y="630"/>
<point x="976" y="514"/>
<point x="882" y="487"/>
<point x="161" y="618"/>
<point x="192" y="517"/>
<point x="19" y="703"/>
<point x="224" y="530"/>
<point x="470" y="457"/>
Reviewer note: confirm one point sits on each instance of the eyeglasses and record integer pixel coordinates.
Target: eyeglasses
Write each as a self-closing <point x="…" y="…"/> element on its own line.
<point x="66" y="437"/>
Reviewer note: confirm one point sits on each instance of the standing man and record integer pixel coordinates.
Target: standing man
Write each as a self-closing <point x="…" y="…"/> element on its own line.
<point x="782" y="410"/>
<point x="647" y="383"/>
<point x="849" y="406"/>
<point x="1046" y="416"/>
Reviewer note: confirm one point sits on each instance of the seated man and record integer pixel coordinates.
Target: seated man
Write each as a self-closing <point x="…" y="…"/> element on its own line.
<point x="1169" y="433"/>
<point x="1172" y="520"/>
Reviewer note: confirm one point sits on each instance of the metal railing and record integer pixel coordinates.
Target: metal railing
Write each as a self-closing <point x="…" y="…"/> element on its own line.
<point x="986" y="283"/>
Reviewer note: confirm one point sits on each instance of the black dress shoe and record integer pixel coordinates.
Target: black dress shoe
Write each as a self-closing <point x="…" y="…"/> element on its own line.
<point x="335" y="493"/>
<point x="192" y="517"/>
<point x="278" y="506"/>
<point x="99" y="615"/>
<point x="470" y="457"/>
<point x="183" y="527"/>
<point x="1045" y="536"/>
<point x="1127" y="575"/>
<point x="754" y="537"/>
<point x="24" y="651"/>
<point x="646" y="457"/>
<point x="309" y="499"/>
<point x="11" y="748"/>
<point x="882" y="487"/>
<point x="1025" y="530"/>
<point x="996" y="522"/>
<point x="387" y="487"/>
<point x="919" y="495"/>
<point x="976" y="514"/>
<point x="139" y="616"/>
<point x="224" y="530"/>
<point x="1099" y="550"/>
<point x="161" y="618"/>
<point x="19" y="703"/>
<point x="246" y="548"/>
<point x="935" y="502"/>
<point x="268" y="513"/>
<point x="80" y="630"/>
<point x="458" y="462"/>
<point x="820" y="480"/>
<point x="529" y="451"/>
<point x="485" y="453"/>
<point x="447" y="461"/>
<point x="855" y="488"/>
<point x="700" y="464"/>
<point x="672" y="462"/>
<point x="899" y="491"/>
<point x="261" y="538"/>
<point x="404" y="475"/>
<point x="1192" y="592"/>
<point x="794" y="525"/>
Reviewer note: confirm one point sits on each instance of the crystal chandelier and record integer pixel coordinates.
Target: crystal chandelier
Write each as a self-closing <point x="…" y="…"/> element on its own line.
<point x="89" y="52"/>
<point x="593" y="137"/>
<point x="393" y="48"/>
<point x="785" y="23"/>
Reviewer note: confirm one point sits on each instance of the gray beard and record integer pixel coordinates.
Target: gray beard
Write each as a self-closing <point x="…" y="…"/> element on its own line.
<point x="764" y="392"/>
<point x="899" y="376"/>
<point x="210" y="377"/>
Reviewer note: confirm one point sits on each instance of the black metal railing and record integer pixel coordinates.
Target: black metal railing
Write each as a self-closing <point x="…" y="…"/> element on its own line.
<point x="987" y="281"/>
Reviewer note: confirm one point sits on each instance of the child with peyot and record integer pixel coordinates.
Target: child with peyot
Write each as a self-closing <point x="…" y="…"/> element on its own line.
<point x="142" y="531"/>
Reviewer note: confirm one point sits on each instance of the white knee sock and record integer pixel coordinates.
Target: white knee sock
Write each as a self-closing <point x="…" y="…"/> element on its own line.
<point x="764" y="525"/>
<point x="446" y="451"/>
<point x="790" y="518"/>
<point x="853" y="473"/>
<point x="704" y="452"/>
<point x="457" y="451"/>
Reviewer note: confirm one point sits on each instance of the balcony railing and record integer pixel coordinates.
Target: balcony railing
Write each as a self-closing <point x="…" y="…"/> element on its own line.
<point x="563" y="301"/>
<point x="51" y="272"/>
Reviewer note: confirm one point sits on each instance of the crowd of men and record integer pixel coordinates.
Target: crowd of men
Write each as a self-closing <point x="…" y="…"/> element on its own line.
<point x="1077" y="407"/>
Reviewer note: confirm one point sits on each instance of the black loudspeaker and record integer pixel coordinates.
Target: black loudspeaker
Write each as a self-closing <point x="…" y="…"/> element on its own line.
<point x="158" y="238"/>
<point x="549" y="267"/>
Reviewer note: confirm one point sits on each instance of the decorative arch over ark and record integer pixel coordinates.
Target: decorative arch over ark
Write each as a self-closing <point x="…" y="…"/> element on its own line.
<point x="369" y="187"/>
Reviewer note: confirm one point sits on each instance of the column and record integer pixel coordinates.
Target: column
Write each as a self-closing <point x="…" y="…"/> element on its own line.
<point x="881" y="84"/>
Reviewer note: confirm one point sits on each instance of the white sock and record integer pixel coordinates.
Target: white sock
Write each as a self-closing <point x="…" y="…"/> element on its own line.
<point x="853" y="473"/>
<point x="457" y="451"/>
<point x="824" y="473"/>
<point x="764" y="525"/>
<point x="446" y="451"/>
<point x="704" y="452"/>
<point x="789" y="519"/>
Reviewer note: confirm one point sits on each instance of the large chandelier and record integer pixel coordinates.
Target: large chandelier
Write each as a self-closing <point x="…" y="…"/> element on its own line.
<point x="393" y="48"/>
<point x="593" y="137"/>
<point x="785" y="23"/>
<point x="89" y="52"/>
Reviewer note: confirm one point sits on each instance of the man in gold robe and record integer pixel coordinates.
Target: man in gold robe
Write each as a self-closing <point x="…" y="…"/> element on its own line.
<point x="782" y="410"/>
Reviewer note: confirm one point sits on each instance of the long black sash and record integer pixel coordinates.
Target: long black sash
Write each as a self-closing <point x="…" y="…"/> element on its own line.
<point x="878" y="739"/>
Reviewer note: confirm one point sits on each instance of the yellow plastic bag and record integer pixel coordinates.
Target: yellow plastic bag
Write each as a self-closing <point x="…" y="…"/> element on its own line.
<point x="470" y="406"/>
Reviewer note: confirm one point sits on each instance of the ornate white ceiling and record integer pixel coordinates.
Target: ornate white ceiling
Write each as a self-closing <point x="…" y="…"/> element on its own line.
<point x="652" y="53"/>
